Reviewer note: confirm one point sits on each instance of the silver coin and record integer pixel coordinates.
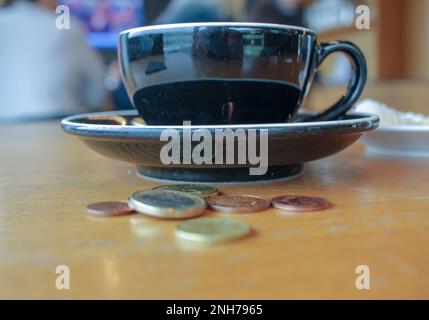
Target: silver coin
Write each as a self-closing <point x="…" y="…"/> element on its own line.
<point x="165" y="204"/>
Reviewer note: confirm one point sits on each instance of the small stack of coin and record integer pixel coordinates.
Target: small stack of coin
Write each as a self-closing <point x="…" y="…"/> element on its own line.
<point x="300" y="203"/>
<point x="238" y="204"/>
<point x="212" y="230"/>
<point x="166" y="204"/>
<point x="199" y="190"/>
<point x="186" y="201"/>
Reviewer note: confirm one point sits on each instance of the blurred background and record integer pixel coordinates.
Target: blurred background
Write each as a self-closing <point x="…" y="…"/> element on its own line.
<point x="49" y="73"/>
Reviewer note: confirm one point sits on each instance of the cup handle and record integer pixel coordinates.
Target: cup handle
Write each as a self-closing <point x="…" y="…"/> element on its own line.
<point x="356" y="84"/>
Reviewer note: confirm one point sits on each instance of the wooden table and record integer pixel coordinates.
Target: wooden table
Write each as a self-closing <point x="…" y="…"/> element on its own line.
<point x="380" y="219"/>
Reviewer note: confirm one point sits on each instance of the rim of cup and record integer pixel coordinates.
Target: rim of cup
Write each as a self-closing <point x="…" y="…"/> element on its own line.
<point x="138" y="30"/>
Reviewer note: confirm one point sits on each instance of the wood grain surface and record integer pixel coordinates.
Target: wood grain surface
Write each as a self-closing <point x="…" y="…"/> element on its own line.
<point x="380" y="219"/>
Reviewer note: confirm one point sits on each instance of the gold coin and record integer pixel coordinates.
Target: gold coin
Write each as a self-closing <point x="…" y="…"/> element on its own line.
<point x="166" y="204"/>
<point x="137" y="121"/>
<point x="212" y="229"/>
<point x="200" y="190"/>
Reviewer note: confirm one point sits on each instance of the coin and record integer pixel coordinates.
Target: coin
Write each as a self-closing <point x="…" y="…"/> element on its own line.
<point x="238" y="203"/>
<point x="117" y="120"/>
<point x="212" y="229"/>
<point x="167" y="204"/>
<point x="137" y="121"/>
<point x="200" y="190"/>
<point x="109" y="209"/>
<point x="300" y="203"/>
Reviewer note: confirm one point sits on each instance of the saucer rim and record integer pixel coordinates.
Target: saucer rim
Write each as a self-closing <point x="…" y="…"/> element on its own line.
<point x="359" y="123"/>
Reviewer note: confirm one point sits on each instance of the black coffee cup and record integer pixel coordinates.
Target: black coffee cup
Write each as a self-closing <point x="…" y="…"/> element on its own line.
<point x="229" y="73"/>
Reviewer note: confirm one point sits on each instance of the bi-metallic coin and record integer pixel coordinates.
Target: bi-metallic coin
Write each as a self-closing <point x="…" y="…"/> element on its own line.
<point x="166" y="204"/>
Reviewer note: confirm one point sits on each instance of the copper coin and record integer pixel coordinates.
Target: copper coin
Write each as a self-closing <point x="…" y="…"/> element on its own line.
<point x="238" y="203"/>
<point x="109" y="209"/>
<point x="300" y="203"/>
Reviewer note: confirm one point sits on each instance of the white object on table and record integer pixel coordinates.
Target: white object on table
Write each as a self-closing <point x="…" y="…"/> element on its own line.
<point x="401" y="134"/>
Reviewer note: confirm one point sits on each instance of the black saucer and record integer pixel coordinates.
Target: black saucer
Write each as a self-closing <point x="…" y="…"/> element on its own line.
<point x="122" y="136"/>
